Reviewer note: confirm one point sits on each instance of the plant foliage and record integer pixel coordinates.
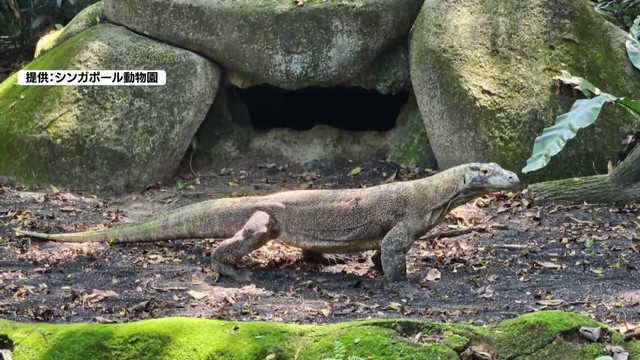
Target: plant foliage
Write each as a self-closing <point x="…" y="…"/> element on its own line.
<point x="633" y="43"/>
<point x="625" y="10"/>
<point x="584" y="112"/>
<point x="24" y="21"/>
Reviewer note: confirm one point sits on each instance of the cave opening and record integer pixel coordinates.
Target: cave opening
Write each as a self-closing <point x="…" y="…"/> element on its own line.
<point x="345" y="108"/>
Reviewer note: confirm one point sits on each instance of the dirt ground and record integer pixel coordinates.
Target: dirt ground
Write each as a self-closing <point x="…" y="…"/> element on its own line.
<point x="491" y="260"/>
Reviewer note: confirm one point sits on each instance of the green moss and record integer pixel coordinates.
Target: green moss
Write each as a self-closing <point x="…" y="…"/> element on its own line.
<point x="408" y="142"/>
<point x="456" y="342"/>
<point x="533" y="336"/>
<point x="496" y="92"/>
<point x="20" y="114"/>
<point x="100" y="136"/>
<point x="555" y="333"/>
<point x="182" y="338"/>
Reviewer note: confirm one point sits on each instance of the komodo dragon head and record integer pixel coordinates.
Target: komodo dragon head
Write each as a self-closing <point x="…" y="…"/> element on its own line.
<point x="485" y="178"/>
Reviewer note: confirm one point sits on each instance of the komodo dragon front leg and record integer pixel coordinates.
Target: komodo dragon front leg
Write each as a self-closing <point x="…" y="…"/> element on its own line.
<point x="256" y="232"/>
<point x="393" y="251"/>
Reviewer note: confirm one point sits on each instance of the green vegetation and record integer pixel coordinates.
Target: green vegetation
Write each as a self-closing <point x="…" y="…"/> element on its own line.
<point x="624" y="10"/>
<point x="584" y="112"/>
<point x="540" y="335"/>
<point x="25" y="20"/>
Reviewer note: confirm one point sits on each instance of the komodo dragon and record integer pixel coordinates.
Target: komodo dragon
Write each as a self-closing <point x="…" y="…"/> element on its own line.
<point x="387" y="218"/>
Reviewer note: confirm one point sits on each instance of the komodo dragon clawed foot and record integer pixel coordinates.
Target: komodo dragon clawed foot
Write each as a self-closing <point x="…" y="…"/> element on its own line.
<point x="230" y="271"/>
<point x="323" y="259"/>
<point x="255" y="233"/>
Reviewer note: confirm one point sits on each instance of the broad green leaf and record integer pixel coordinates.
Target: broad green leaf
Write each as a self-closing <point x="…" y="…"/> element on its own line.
<point x="630" y="105"/>
<point x="582" y="114"/>
<point x="578" y="83"/>
<point x="633" y="45"/>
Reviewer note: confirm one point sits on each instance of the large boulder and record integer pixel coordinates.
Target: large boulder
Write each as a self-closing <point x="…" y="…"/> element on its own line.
<point x="408" y="141"/>
<point x="276" y="41"/>
<point x="112" y="137"/>
<point x="482" y="74"/>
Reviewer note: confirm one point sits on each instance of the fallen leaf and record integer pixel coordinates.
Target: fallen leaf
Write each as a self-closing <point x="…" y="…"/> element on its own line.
<point x="99" y="295"/>
<point x="551" y="302"/>
<point x="394" y="306"/>
<point x="549" y="265"/>
<point x="433" y="275"/>
<point x="54" y="190"/>
<point x="355" y="171"/>
<point x="197" y="294"/>
<point x="103" y="320"/>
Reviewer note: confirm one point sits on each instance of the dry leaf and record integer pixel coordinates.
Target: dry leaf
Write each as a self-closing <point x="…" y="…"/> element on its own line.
<point x="433" y="275"/>
<point x="103" y="320"/>
<point x="197" y="294"/>
<point x="551" y="302"/>
<point x="98" y="295"/>
<point x="549" y="265"/>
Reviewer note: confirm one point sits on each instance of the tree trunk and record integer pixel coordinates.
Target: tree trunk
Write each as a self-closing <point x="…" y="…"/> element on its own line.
<point x="621" y="186"/>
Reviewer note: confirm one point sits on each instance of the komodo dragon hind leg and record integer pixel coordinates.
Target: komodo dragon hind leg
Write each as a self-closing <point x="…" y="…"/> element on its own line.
<point x="255" y="233"/>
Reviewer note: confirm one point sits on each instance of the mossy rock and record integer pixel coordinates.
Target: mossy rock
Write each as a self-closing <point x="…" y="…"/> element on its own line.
<point x="482" y="73"/>
<point x="107" y="137"/>
<point x="408" y="141"/>
<point x="276" y="41"/>
<point x="542" y="335"/>
<point x="91" y="16"/>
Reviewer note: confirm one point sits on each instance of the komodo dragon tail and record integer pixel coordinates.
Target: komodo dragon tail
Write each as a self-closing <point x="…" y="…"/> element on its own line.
<point x="208" y="219"/>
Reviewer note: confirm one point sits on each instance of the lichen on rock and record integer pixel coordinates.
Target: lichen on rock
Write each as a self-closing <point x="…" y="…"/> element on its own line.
<point x="276" y="42"/>
<point x="482" y="73"/>
<point x="106" y="137"/>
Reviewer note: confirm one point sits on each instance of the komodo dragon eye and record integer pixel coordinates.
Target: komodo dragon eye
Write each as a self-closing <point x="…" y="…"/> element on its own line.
<point x="485" y="171"/>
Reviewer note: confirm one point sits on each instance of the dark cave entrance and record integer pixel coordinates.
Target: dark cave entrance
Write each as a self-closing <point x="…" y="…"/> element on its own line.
<point x="345" y="108"/>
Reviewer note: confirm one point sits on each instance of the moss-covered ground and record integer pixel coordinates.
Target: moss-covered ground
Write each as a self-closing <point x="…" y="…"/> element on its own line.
<point x="541" y="335"/>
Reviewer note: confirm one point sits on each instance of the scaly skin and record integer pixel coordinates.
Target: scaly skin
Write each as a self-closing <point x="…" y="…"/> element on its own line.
<point x="387" y="218"/>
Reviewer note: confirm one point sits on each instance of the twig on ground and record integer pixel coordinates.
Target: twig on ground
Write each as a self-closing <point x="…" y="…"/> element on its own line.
<point x="463" y="231"/>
